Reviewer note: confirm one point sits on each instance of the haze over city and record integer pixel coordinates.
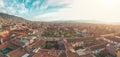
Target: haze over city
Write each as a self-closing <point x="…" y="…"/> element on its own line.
<point x="60" y="10"/>
<point x="59" y="28"/>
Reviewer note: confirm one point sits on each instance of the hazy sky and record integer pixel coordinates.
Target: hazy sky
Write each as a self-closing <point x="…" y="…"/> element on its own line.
<point x="51" y="10"/>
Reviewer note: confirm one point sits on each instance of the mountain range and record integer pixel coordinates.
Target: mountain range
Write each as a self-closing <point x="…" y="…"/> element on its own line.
<point x="4" y="16"/>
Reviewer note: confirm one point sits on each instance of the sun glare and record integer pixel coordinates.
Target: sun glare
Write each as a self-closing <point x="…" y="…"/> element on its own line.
<point x="110" y="20"/>
<point x="109" y="2"/>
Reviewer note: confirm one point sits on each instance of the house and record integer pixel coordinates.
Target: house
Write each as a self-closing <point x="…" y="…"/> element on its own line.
<point x="97" y="48"/>
<point x="118" y="53"/>
<point x="111" y="49"/>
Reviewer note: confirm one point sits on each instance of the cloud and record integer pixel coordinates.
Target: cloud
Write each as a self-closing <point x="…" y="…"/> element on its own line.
<point x="55" y="9"/>
<point x="55" y="4"/>
<point x="27" y="1"/>
<point x="1" y="3"/>
<point x="22" y="9"/>
<point x="11" y="10"/>
<point x="58" y="2"/>
<point x="33" y="7"/>
<point x="37" y="2"/>
<point x="85" y="10"/>
<point x="68" y="13"/>
<point x="2" y="10"/>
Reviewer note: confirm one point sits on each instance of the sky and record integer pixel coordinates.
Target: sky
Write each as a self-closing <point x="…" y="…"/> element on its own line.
<point x="60" y="10"/>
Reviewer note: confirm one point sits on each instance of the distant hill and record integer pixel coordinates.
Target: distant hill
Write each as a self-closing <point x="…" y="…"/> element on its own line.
<point x="86" y="21"/>
<point x="12" y="18"/>
<point x="8" y="17"/>
<point x="79" y="21"/>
